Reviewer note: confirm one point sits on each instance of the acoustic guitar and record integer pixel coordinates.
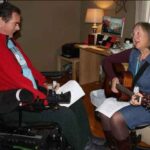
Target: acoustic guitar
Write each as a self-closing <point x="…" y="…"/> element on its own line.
<point x="125" y="78"/>
<point x="125" y="89"/>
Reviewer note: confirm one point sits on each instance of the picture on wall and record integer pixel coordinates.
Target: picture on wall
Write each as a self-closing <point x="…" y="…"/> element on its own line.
<point x="113" y="25"/>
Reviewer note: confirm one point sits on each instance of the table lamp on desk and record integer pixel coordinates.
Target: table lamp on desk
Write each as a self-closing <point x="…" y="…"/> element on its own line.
<point x="93" y="15"/>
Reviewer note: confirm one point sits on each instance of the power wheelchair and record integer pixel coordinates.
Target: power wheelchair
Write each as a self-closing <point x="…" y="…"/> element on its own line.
<point x="33" y="136"/>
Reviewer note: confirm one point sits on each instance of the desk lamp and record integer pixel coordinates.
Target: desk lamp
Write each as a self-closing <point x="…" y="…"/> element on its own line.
<point x="94" y="15"/>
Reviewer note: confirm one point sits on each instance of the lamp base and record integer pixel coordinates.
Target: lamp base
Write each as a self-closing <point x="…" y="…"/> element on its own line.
<point x="94" y="28"/>
<point x="92" y="39"/>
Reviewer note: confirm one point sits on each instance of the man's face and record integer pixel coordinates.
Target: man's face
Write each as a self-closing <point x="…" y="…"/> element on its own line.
<point x="10" y="27"/>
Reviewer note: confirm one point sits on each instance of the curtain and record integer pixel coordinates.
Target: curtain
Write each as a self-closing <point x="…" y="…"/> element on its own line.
<point x="142" y="11"/>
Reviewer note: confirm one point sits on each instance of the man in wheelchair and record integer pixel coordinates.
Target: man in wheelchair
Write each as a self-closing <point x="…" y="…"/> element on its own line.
<point x="22" y="84"/>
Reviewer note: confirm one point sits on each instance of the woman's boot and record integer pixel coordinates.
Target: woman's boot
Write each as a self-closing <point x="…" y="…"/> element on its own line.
<point x="124" y="144"/>
<point x="110" y="141"/>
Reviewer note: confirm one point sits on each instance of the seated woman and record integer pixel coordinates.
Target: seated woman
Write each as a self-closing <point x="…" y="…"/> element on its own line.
<point x="17" y="72"/>
<point x="116" y="128"/>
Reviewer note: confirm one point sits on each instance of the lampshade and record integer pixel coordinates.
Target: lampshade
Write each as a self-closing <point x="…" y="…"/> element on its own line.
<point x="94" y="15"/>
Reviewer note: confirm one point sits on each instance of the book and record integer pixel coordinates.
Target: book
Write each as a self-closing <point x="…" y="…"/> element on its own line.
<point x="110" y="106"/>
<point x="75" y="89"/>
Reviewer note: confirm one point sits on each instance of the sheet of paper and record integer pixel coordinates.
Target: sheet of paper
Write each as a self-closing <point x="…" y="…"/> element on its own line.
<point x="75" y="89"/>
<point x="110" y="106"/>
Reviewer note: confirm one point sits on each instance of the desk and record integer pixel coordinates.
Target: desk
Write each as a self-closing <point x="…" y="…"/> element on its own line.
<point x="90" y="60"/>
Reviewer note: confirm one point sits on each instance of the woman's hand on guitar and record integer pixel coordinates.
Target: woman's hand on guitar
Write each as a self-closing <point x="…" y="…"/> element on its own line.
<point x="136" y="101"/>
<point x="115" y="81"/>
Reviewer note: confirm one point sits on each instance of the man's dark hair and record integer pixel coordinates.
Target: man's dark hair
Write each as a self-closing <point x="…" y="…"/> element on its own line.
<point x="6" y="10"/>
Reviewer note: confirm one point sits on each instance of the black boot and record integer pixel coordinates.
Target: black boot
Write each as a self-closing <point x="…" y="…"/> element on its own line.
<point x="124" y="144"/>
<point x="110" y="141"/>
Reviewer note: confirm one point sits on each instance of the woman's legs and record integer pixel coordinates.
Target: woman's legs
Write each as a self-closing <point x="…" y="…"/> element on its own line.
<point x="119" y="127"/>
<point x="107" y="131"/>
<point x="116" y="132"/>
<point x="120" y="131"/>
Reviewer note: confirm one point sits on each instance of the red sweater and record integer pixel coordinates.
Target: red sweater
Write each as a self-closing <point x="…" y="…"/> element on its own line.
<point x="11" y="73"/>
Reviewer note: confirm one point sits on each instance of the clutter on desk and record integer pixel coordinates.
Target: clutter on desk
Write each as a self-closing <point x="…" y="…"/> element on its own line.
<point x="106" y="41"/>
<point x="119" y="47"/>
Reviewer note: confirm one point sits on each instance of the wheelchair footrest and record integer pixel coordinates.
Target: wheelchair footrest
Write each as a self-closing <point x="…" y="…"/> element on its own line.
<point x="35" y="137"/>
<point x="32" y="141"/>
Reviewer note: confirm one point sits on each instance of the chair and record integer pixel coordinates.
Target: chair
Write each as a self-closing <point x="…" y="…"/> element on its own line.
<point x="136" y="138"/>
<point x="38" y="135"/>
<point x="20" y="135"/>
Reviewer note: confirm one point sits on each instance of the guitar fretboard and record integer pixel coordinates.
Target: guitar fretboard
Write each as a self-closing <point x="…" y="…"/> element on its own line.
<point x="124" y="90"/>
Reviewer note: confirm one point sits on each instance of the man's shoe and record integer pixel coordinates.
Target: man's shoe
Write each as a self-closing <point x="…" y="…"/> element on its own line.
<point x="96" y="147"/>
<point x="98" y="140"/>
<point x="96" y="143"/>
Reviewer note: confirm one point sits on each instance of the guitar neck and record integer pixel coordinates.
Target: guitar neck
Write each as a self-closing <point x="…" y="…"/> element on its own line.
<point x="124" y="89"/>
<point x="144" y="101"/>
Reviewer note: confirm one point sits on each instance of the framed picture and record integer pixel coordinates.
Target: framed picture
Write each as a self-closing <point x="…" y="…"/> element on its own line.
<point x="113" y="25"/>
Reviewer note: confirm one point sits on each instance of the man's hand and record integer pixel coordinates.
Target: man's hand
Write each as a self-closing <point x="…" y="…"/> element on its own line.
<point x="115" y="81"/>
<point x="56" y="86"/>
<point x="134" y="101"/>
<point x="49" y="86"/>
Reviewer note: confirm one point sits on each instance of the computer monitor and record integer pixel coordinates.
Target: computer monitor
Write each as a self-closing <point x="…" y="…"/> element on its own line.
<point x="113" y="26"/>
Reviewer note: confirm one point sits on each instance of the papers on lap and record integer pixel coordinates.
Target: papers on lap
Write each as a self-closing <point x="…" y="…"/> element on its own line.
<point x="75" y="89"/>
<point x="110" y="106"/>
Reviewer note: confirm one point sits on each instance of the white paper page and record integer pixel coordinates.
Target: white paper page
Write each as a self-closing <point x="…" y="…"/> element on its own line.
<point x="75" y="89"/>
<point x="110" y="106"/>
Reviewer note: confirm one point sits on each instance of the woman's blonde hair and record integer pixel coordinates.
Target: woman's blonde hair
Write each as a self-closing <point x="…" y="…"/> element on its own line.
<point x="146" y="27"/>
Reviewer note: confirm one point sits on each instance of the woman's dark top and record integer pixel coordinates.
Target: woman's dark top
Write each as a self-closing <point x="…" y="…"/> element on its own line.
<point x="122" y="57"/>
